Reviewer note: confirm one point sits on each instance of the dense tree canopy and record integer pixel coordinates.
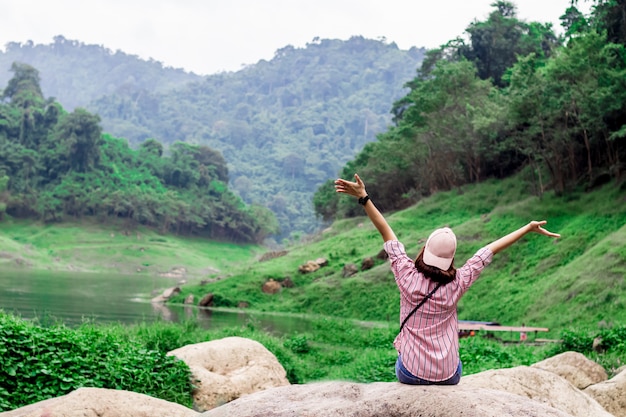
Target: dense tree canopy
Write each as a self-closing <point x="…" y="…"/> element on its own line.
<point x="508" y="96"/>
<point x="558" y="112"/>
<point x="56" y="165"/>
<point x="283" y="125"/>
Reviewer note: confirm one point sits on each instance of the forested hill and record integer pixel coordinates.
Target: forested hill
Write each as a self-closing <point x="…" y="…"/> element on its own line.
<point x="284" y="126"/>
<point x="75" y="73"/>
<point x="57" y="166"/>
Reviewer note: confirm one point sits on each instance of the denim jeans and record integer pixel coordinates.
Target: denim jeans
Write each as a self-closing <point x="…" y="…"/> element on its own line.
<point x="405" y="377"/>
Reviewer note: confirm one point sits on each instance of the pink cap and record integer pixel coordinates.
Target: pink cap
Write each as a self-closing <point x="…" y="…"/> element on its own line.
<point x="440" y="248"/>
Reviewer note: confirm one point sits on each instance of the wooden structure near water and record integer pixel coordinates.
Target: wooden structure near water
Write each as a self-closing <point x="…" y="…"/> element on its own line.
<point x="469" y="328"/>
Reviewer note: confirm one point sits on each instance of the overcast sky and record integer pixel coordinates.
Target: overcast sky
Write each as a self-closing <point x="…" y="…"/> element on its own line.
<point x="208" y="36"/>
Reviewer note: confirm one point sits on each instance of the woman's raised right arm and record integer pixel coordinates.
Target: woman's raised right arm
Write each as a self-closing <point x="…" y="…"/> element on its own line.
<point x="357" y="189"/>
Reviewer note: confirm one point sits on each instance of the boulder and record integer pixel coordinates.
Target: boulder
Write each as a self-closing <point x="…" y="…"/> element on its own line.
<point x="597" y="345"/>
<point x="367" y="263"/>
<point x="321" y="262"/>
<point x="166" y="295"/>
<point x="226" y="369"/>
<point x="312" y="266"/>
<point x="308" y="267"/>
<point x="541" y="386"/>
<point x="206" y="301"/>
<point x="382" y="255"/>
<point x="611" y="394"/>
<point x="347" y="399"/>
<point x="271" y="287"/>
<point x="287" y="282"/>
<point x="575" y="367"/>
<point x="101" y="402"/>
<point x="349" y="270"/>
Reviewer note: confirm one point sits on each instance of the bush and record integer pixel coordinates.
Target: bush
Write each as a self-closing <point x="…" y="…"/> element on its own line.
<point x="614" y="339"/>
<point x="46" y="362"/>
<point x="298" y="344"/>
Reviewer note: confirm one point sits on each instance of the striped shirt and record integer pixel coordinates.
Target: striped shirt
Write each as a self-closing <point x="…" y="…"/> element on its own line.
<point x="429" y="341"/>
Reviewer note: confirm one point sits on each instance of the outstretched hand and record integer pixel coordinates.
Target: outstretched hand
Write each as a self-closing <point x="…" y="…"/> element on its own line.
<point x="535" y="226"/>
<point x="356" y="189"/>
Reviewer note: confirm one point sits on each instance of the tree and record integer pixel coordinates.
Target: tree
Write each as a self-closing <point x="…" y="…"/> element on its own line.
<point x="4" y="185"/>
<point x="78" y="135"/>
<point x="610" y="17"/>
<point x="531" y="119"/>
<point x="151" y="147"/>
<point x="496" y="43"/>
<point x="587" y="82"/>
<point x="574" y="22"/>
<point x="24" y="88"/>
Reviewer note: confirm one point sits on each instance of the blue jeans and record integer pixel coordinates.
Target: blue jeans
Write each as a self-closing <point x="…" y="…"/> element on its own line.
<point x="405" y="377"/>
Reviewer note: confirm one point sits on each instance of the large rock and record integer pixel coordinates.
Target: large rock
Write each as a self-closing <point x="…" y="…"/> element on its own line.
<point x="346" y="399"/>
<point x="271" y="287"/>
<point x="229" y="368"/>
<point x="166" y="295"/>
<point x="101" y="402"/>
<point x="611" y="394"/>
<point x="575" y="367"/>
<point x="308" y="267"/>
<point x="540" y="386"/>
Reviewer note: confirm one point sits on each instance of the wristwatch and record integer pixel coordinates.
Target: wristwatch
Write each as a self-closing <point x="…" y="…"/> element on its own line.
<point x="363" y="200"/>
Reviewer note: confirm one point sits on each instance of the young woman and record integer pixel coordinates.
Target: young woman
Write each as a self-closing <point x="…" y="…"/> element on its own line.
<point x="428" y="342"/>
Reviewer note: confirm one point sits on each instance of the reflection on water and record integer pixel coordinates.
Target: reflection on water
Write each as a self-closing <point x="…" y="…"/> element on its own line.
<point x="72" y="298"/>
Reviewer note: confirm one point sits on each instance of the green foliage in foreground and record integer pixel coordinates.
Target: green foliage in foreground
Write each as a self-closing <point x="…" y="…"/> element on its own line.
<point x="45" y="362"/>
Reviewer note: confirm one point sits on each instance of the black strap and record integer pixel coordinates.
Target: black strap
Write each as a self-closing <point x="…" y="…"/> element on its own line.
<point x="419" y="305"/>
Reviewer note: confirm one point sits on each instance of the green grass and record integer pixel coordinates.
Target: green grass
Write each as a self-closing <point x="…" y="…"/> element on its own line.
<point x="92" y="247"/>
<point x="577" y="280"/>
<point x="574" y="285"/>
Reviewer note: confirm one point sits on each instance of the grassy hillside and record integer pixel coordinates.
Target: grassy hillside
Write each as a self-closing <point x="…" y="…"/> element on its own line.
<point x="90" y="247"/>
<point x="577" y="280"/>
<point x="574" y="285"/>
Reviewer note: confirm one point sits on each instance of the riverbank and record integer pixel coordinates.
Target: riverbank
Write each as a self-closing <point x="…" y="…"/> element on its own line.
<point x="88" y="246"/>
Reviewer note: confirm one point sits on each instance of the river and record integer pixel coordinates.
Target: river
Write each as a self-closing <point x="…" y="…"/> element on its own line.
<point x="73" y="297"/>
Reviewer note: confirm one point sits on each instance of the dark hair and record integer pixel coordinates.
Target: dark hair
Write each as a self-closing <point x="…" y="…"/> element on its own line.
<point x="434" y="273"/>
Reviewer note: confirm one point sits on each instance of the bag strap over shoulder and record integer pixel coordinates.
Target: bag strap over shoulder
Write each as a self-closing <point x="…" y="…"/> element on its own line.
<point x="419" y="305"/>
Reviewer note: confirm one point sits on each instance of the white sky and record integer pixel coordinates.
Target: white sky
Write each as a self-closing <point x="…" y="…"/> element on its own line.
<point x="208" y="36"/>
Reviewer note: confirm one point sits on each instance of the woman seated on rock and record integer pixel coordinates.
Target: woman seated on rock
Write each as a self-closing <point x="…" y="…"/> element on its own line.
<point x="430" y="288"/>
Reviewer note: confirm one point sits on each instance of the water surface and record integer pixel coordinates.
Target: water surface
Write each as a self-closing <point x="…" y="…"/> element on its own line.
<point x="73" y="297"/>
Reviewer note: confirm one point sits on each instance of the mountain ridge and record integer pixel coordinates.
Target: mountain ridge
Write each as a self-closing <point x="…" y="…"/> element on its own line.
<point x="285" y="126"/>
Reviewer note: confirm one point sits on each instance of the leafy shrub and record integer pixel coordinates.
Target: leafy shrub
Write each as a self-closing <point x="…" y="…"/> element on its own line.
<point x="41" y="363"/>
<point x="614" y="339"/>
<point x="298" y="344"/>
<point x="222" y="301"/>
<point x="581" y="342"/>
<point x="373" y="366"/>
<point x="479" y="354"/>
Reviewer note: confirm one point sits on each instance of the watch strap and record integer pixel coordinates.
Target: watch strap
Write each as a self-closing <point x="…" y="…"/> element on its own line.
<point x="363" y="200"/>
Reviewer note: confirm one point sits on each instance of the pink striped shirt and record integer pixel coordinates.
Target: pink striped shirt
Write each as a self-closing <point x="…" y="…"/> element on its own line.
<point x="429" y="342"/>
